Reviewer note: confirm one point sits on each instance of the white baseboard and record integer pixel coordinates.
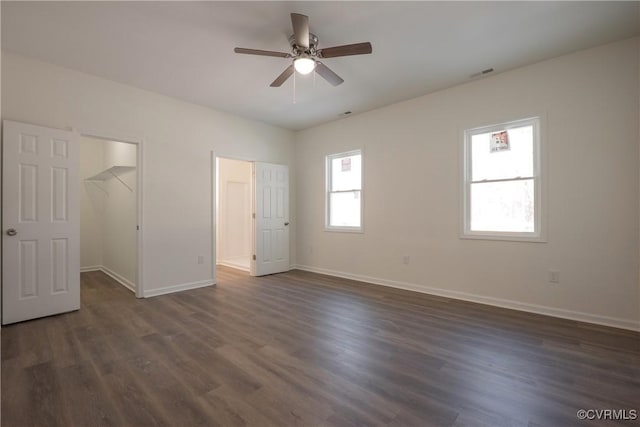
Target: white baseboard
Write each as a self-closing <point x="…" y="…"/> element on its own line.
<point x="231" y="264"/>
<point x="118" y="278"/>
<point x="115" y="276"/>
<point x="177" y="288"/>
<point x="498" y="302"/>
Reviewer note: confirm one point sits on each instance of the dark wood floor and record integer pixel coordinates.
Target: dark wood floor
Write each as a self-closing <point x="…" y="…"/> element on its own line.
<point x="300" y="349"/>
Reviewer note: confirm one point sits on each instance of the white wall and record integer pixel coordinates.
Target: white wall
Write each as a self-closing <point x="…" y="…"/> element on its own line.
<point x="92" y="203"/>
<point x="119" y="154"/>
<point x="234" y="213"/>
<point x="412" y="176"/>
<point x="177" y="167"/>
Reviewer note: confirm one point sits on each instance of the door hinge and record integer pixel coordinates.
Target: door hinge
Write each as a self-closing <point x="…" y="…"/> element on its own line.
<point x="253" y="215"/>
<point x="137" y="227"/>
<point x="254" y="257"/>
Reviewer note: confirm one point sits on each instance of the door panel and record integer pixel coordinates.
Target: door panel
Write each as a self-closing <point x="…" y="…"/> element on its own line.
<point x="28" y="266"/>
<point x="59" y="262"/>
<point x="40" y="240"/>
<point x="271" y="219"/>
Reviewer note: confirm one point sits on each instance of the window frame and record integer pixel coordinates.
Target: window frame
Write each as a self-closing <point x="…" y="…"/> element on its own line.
<point x="539" y="233"/>
<point x="327" y="193"/>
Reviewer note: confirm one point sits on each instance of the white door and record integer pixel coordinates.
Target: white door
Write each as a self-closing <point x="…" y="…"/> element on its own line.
<point x="271" y="236"/>
<point x="41" y="224"/>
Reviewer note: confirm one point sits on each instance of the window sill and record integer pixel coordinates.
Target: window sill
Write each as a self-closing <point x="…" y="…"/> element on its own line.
<point x="344" y="229"/>
<point x="505" y="237"/>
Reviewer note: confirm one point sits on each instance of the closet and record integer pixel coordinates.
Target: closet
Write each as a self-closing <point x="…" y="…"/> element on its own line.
<point x="108" y="209"/>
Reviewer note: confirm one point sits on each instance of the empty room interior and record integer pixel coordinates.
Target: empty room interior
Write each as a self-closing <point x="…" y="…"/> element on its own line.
<point x="320" y="213"/>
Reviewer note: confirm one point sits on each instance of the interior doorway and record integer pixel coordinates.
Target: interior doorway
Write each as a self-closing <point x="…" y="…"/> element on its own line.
<point x="234" y="190"/>
<point x="109" y="202"/>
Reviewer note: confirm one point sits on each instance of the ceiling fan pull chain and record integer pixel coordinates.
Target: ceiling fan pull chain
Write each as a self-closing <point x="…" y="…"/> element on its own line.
<point x="294" y="87"/>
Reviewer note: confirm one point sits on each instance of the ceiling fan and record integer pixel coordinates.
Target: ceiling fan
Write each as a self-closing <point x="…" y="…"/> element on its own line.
<point x="306" y="55"/>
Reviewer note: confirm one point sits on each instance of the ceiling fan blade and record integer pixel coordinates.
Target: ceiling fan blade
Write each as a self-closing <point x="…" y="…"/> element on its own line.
<point x="261" y="52"/>
<point x="300" y="25"/>
<point x="283" y="77"/>
<point x="328" y="75"/>
<point x="346" y="50"/>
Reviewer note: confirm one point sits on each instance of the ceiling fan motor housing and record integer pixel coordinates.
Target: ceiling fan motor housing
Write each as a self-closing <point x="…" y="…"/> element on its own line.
<point x="300" y="50"/>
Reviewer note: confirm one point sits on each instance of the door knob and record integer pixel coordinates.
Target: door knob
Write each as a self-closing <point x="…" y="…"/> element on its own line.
<point x="286" y="223"/>
<point x="11" y="232"/>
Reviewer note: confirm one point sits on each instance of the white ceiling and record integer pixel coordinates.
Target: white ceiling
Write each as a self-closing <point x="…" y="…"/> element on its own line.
<point x="185" y="49"/>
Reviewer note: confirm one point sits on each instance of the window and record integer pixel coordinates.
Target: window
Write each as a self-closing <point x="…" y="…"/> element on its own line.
<point x="502" y="182"/>
<point x="344" y="191"/>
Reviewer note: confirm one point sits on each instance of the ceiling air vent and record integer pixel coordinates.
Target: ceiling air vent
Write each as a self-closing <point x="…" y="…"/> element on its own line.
<point x="481" y="73"/>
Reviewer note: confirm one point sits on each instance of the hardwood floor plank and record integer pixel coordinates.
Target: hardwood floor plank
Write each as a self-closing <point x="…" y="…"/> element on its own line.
<point x="299" y="398"/>
<point x="222" y="413"/>
<point x="176" y="403"/>
<point x="34" y="342"/>
<point x="82" y="385"/>
<point x="323" y="385"/>
<point x="44" y="398"/>
<point x="193" y="375"/>
<point x="229" y="408"/>
<point x="64" y="346"/>
<point x="137" y="407"/>
<point x="16" y="398"/>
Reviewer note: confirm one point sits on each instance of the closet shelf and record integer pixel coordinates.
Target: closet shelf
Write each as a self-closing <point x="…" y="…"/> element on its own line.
<point x="112" y="172"/>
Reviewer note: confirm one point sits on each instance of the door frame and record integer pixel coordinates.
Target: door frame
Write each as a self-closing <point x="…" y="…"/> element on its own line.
<point x="139" y="143"/>
<point x="214" y="213"/>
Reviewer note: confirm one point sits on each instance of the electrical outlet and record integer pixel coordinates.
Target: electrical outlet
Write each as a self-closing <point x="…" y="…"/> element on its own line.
<point x="200" y="259"/>
<point x="554" y="276"/>
<point x="406" y="259"/>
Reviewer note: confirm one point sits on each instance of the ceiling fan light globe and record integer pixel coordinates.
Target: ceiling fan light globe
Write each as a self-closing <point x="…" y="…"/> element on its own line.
<point x="304" y="65"/>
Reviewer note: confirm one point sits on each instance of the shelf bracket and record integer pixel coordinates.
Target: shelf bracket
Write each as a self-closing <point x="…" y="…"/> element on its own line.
<point x="99" y="186"/>
<point x="123" y="183"/>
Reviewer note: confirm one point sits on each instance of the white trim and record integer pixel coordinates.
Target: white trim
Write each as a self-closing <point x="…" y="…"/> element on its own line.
<point x="139" y="290"/>
<point x="120" y="279"/>
<point x="481" y="299"/>
<point x="344" y="229"/>
<point x="214" y="215"/>
<point x="139" y="142"/>
<point x="539" y="235"/>
<point x="103" y="134"/>
<point x="115" y="276"/>
<point x="177" y="288"/>
<point x="253" y="260"/>
<point x="231" y="264"/>
<point x="504" y="236"/>
<point x="215" y="156"/>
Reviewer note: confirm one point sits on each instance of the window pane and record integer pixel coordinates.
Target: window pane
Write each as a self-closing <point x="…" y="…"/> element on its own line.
<point x="346" y="173"/>
<point x="503" y="206"/>
<point x="344" y="209"/>
<point x="513" y="161"/>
